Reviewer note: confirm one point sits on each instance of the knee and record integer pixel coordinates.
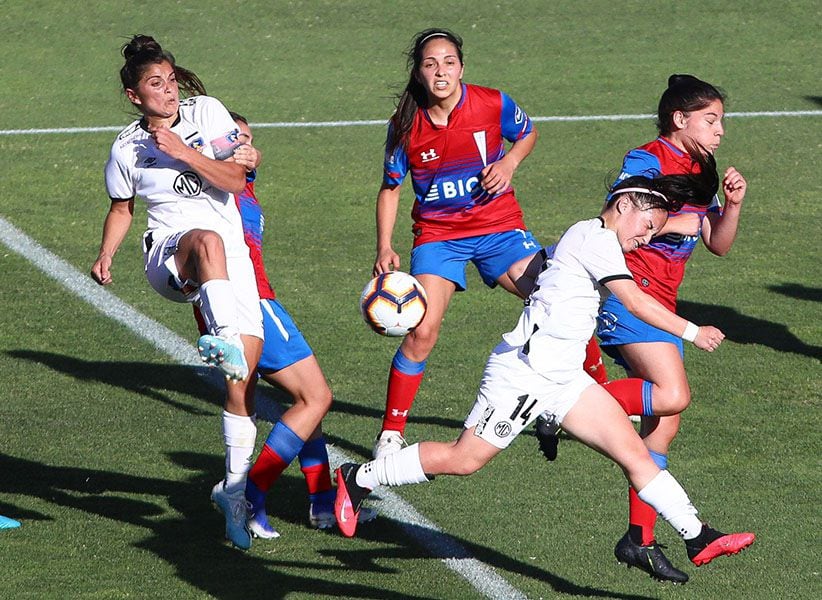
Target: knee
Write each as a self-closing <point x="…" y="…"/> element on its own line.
<point x="674" y="399"/>
<point x="207" y="243"/>
<point x="421" y="341"/>
<point x="317" y="401"/>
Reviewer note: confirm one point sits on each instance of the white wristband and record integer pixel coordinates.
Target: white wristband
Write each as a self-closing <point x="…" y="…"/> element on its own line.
<point x="690" y="333"/>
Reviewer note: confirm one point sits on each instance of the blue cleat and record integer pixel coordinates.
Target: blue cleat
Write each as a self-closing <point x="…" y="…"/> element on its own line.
<point x="227" y="354"/>
<point x="6" y="523"/>
<point x="233" y="507"/>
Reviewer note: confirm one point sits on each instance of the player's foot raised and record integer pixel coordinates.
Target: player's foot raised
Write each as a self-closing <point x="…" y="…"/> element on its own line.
<point x="711" y="543"/>
<point x="349" y="498"/>
<point x="225" y="353"/>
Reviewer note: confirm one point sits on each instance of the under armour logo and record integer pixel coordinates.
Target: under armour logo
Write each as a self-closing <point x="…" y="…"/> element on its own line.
<point x="429" y="156"/>
<point x="398" y="413"/>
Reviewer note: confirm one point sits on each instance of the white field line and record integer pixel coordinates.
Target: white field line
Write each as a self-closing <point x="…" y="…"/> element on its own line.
<point x="428" y="535"/>
<point x="297" y="124"/>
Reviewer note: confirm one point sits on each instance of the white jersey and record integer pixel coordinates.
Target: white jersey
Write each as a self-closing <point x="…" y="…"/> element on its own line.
<point x="560" y="315"/>
<point x="177" y="197"/>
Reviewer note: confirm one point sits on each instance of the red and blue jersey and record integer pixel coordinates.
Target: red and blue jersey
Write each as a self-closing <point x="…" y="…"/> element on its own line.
<point x="253" y="226"/>
<point x="659" y="267"/>
<point x="445" y="162"/>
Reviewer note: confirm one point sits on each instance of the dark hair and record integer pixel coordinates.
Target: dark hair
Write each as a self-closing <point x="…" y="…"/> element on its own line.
<point x="696" y="188"/>
<point x="414" y="95"/>
<point x="685" y="93"/>
<point x="237" y="117"/>
<point x="142" y="51"/>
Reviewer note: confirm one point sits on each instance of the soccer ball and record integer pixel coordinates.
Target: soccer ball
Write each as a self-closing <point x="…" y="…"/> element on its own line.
<point x="393" y="303"/>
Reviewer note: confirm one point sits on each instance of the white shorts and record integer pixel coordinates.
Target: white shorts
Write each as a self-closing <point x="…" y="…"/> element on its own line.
<point x="162" y="274"/>
<point x="512" y="395"/>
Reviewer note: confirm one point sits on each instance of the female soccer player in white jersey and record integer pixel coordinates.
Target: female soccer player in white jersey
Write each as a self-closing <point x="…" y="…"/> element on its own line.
<point x="177" y="158"/>
<point x="538" y="367"/>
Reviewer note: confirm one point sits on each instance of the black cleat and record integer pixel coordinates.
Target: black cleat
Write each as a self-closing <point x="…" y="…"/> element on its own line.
<point x="548" y="435"/>
<point x="648" y="558"/>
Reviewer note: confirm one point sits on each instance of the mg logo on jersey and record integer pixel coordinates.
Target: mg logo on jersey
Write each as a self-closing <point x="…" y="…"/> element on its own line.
<point x="451" y="189"/>
<point x="502" y="429"/>
<point x="188" y="183"/>
<point x="429" y="156"/>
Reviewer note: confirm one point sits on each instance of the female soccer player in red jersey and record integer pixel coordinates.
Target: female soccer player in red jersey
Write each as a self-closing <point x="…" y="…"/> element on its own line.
<point x="450" y="136"/>
<point x="690" y="118"/>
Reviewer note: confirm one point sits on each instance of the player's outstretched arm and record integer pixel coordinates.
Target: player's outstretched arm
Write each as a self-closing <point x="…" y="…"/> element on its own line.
<point x="645" y="307"/>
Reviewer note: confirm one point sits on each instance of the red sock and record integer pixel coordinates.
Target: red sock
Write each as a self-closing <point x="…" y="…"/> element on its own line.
<point x="267" y="469"/>
<point x="402" y="389"/>
<point x="317" y="478"/>
<point x="593" y="364"/>
<point x="641" y="516"/>
<point x="629" y="394"/>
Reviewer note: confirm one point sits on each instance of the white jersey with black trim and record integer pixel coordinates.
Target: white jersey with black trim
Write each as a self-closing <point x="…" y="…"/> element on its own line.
<point x="560" y="314"/>
<point x="177" y="197"/>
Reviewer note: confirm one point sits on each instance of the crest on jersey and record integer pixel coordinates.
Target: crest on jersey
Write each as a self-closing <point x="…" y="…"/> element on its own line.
<point x="197" y="144"/>
<point x="188" y="183"/>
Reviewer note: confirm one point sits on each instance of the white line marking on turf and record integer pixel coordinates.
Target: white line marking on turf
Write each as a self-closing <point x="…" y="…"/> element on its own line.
<point x="438" y="543"/>
<point x="299" y="124"/>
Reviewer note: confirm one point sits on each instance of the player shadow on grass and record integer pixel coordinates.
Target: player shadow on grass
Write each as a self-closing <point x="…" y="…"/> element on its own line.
<point x="190" y="540"/>
<point x="449" y="547"/>
<point x="798" y="291"/>
<point x="743" y="329"/>
<point x="203" y="383"/>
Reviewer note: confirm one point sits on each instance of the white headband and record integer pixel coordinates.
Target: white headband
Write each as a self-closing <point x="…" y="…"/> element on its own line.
<point x="431" y="35"/>
<point x="640" y="190"/>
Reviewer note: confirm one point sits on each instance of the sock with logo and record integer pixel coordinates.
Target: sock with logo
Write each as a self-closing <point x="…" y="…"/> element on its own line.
<point x="403" y="382"/>
<point x="593" y="364"/>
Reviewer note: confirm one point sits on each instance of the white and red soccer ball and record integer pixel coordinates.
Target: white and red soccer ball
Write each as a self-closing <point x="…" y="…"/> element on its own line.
<point x="393" y="303"/>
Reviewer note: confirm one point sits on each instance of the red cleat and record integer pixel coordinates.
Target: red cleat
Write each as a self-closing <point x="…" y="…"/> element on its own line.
<point x="348" y="500"/>
<point x="720" y="545"/>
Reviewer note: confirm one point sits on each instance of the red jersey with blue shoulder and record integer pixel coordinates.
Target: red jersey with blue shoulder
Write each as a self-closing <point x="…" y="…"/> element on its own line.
<point x="445" y="162"/>
<point x="253" y="226"/>
<point x="659" y="267"/>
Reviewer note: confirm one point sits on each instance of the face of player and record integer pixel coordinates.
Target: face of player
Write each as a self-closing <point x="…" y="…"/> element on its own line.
<point x="440" y="71"/>
<point x="637" y="226"/>
<point x="702" y="126"/>
<point x="157" y="94"/>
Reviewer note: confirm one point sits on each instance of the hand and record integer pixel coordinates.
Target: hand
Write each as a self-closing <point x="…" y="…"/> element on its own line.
<point x="101" y="270"/>
<point x="734" y="186"/>
<point x="496" y="177"/>
<point x="170" y="143"/>
<point x="387" y="260"/>
<point x="247" y="156"/>
<point x="708" y="338"/>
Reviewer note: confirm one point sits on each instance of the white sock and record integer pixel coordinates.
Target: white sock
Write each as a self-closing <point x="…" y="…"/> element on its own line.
<point x="671" y="501"/>
<point x="239" y="436"/>
<point x="218" y="305"/>
<point x="399" y="468"/>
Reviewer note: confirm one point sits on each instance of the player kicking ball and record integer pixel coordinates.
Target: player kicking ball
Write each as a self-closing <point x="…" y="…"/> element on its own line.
<point x="538" y="368"/>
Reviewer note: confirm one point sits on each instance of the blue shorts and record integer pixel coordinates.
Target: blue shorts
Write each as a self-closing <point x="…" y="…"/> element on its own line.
<point x="492" y="254"/>
<point x="284" y="343"/>
<point x="616" y="326"/>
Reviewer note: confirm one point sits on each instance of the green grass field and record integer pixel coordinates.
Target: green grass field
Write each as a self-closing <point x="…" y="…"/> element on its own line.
<point x="109" y="448"/>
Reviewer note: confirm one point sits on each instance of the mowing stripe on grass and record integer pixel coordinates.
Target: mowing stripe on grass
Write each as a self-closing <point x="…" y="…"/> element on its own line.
<point x="297" y="124"/>
<point x="428" y="535"/>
